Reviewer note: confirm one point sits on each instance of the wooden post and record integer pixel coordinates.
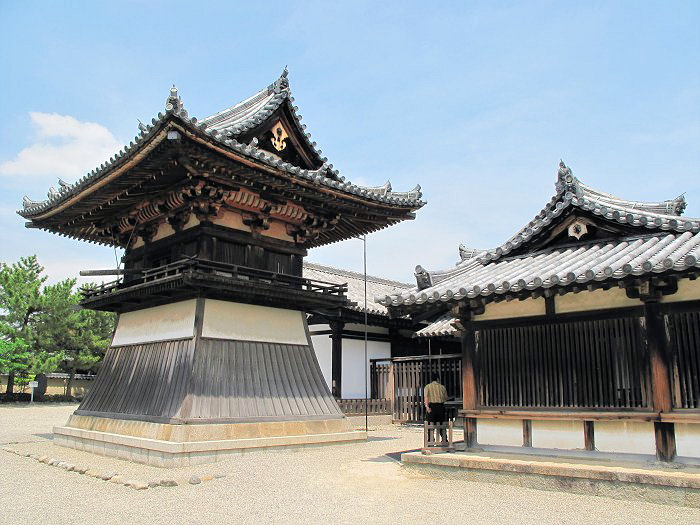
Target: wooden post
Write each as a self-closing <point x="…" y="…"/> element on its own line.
<point x="658" y="347"/>
<point x="336" y="357"/>
<point x="392" y="392"/>
<point x="589" y="435"/>
<point x="527" y="432"/>
<point x="469" y="394"/>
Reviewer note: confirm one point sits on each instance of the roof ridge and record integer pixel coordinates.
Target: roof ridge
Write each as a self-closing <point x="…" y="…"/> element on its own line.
<point x="358" y="275"/>
<point x="570" y="191"/>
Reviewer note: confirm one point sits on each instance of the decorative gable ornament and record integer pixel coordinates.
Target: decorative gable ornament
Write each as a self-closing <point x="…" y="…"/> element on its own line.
<point x="577" y="229"/>
<point x="279" y="136"/>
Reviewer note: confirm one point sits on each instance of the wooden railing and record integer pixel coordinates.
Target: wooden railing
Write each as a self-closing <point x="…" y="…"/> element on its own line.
<point x="193" y="266"/>
<point x="353" y="407"/>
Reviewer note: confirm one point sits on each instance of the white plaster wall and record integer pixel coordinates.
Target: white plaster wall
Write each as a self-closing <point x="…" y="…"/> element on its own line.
<point x="353" y="379"/>
<point x="688" y="439"/>
<point x="324" y="351"/>
<point x="634" y="437"/>
<point x="247" y="322"/>
<point x="687" y="291"/>
<point x="508" y="309"/>
<point x="558" y="434"/>
<point x="507" y="432"/>
<point x="593" y="300"/>
<point x="169" y="321"/>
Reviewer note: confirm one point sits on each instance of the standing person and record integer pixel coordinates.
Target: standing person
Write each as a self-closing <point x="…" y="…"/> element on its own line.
<point x="434" y="397"/>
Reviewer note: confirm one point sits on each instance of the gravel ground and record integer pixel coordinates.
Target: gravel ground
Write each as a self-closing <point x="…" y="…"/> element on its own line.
<point x="330" y="484"/>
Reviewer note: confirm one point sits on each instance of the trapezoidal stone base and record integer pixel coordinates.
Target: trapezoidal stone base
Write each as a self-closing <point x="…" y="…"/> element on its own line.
<point x="166" y="445"/>
<point x="192" y="381"/>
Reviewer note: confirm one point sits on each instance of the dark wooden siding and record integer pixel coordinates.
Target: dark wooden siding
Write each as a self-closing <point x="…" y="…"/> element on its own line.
<point x="252" y="380"/>
<point x="684" y="328"/>
<point x="219" y="380"/>
<point x="142" y="380"/>
<point x="577" y="364"/>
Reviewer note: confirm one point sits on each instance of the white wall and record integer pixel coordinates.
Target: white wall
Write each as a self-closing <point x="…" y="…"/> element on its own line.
<point x="248" y="322"/>
<point x="507" y="432"/>
<point x="353" y="382"/>
<point x="634" y="437"/>
<point x="324" y="351"/>
<point x="688" y="439"/>
<point x="160" y="323"/>
<point x="558" y="434"/>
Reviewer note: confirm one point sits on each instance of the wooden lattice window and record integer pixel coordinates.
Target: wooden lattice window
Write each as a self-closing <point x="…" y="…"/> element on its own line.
<point x="684" y="328"/>
<point x="573" y="364"/>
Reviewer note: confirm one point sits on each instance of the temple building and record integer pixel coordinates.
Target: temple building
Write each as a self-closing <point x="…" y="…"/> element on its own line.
<point x="581" y="332"/>
<point x="338" y="336"/>
<point x="212" y="351"/>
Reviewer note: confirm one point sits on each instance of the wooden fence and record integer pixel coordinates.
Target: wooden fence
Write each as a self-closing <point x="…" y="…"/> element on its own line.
<point x="356" y="407"/>
<point x="397" y="385"/>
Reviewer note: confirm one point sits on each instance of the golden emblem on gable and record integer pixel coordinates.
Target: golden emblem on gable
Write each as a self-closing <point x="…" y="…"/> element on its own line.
<point x="279" y="136"/>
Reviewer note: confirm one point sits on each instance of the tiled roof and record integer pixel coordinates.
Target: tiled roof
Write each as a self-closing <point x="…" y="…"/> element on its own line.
<point x="561" y="266"/>
<point x="468" y="253"/>
<point x="223" y="128"/>
<point x="578" y="263"/>
<point x="443" y="326"/>
<point x="572" y="192"/>
<point x="376" y="286"/>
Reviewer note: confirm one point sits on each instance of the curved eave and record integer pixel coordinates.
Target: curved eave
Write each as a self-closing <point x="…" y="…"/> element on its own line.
<point x="244" y="153"/>
<point x="576" y="267"/>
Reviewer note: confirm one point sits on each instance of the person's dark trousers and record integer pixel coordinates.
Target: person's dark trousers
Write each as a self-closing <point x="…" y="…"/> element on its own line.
<point x="437" y="415"/>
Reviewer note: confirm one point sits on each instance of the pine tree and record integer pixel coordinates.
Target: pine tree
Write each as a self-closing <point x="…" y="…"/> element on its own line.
<point x="20" y="303"/>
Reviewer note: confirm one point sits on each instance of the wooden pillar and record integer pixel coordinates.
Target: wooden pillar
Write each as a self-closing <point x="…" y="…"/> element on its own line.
<point x="469" y="393"/>
<point x="527" y="432"/>
<point x="659" y="365"/>
<point x="589" y="435"/>
<point x="392" y="392"/>
<point x="336" y="357"/>
<point x="393" y="341"/>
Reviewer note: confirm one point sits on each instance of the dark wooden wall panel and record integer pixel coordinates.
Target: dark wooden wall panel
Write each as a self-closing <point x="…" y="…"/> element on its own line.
<point x="147" y="379"/>
<point x="219" y="380"/>
<point x="576" y="364"/>
<point x="685" y="371"/>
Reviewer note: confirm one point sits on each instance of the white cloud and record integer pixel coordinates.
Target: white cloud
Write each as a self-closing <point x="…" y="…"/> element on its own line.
<point x="63" y="147"/>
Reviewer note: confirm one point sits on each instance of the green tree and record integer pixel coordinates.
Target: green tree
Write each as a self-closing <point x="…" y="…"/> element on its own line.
<point x="20" y="303"/>
<point x="14" y="356"/>
<point x="59" y="334"/>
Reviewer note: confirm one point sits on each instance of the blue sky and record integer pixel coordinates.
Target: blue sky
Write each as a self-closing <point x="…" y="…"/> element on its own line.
<point x="476" y="101"/>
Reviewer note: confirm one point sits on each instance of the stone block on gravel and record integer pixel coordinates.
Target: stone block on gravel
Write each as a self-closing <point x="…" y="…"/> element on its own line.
<point x="106" y="476"/>
<point x="194" y="480"/>
<point x="53" y="461"/>
<point x="138" y="485"/>
<point x="168" y="483"/>
<point x="44" y="459"/>
<point x="80" y="469"/>
<point x="152" y="484"/>
<point x="219" y="476"/>
<point x="118" y="479"/>
<point x="93" y="473"/>
<point x="206" y="477"/>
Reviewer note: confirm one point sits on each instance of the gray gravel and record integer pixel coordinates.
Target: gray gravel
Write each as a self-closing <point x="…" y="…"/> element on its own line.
<point x="330" y="484"/>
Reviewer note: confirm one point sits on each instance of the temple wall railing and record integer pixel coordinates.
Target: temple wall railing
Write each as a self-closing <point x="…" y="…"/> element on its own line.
<point x="192" y="266"/>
